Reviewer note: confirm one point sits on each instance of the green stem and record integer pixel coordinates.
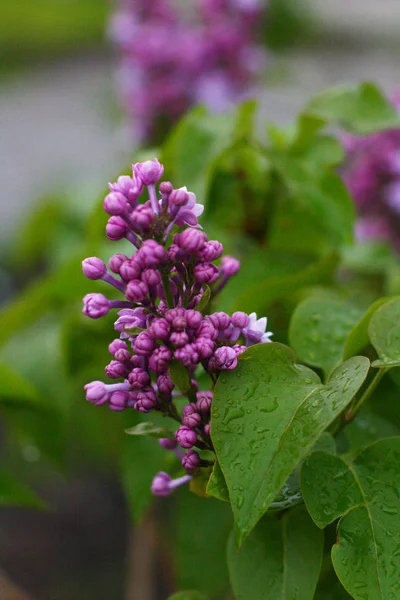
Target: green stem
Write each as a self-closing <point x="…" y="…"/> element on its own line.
<point x="167" y="288"/>
<point x="353" y="410"/>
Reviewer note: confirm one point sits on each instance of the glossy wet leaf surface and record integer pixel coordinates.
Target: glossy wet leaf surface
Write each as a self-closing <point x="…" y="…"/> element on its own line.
<point x="318" y="331"/>
<point x="366" y="492"/>
<point x="266" y="416"/>
<point x="384" y="333"/>
<point x="280" y="560"/>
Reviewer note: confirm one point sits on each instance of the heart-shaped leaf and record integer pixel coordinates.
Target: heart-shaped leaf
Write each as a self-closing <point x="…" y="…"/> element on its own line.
<point x="280" y="559"/>
<point x="266" y="416"/>
<point x="366" y="556"/>
<point x="358" y="338"/>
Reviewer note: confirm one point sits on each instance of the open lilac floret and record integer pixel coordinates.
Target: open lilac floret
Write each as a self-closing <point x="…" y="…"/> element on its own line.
<point x="159" y="322"/>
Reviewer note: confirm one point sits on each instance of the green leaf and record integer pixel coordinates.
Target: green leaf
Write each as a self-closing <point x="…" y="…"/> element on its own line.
<point x="190" y="595"/>
<point x="318" y="331"/>
<point x="150" y="430"/>
<point x="180" y="375"/>
<point x="366" y="556"/>
<point x="14" y="493"/>
<point x="280" y="560"/>
<point x="245" y="119"/>
<point x="384" y="333"/>
<point x="358" y="338"/>
<point x="217" y="485"/>
<point x="289" y="495"/>
<point x="266" y="416"/>
<point x="362" y="109"/>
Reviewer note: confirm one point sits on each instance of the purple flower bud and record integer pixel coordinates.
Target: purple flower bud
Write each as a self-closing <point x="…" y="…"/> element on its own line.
<point x="191" y="461"/>
<point x="179" y="323"/>
<point x="151" y="277"/>
<point x="138" y="378"/>
<point x="96" y="392"/>
<point x="179" y="197"/>
<point x="205" y="347"/>
<point x="173" y="313"/>
<point x="191" y="240"/>
<point x="207" y="329"/>
<point x="190" y="416"/>
<point x="142" y="218"/>
<point x="119" y="401"/>
<point x="151" y="254"/>
<point x="174" y="253"/>
<point x="136" y="290"/>
<point x="179" y="339"/>
<point x="188" y="355"/>
<point x="225" y="358"/>
<point x="160" y="359"/>
<point x="203" y="403"/>
<point x="116" y="261"/>
<point x="193" y="318"/>
<point x="149" y="171"/>
<point x="160" y="485"/>
<point x="159" y="329"/>
<point x="165" y="384"/>
<point x="211" y="251"/>
<point x="116" y="228"/>
<point x="95" y="306"/>
<point x="240" y="319"/>
<point x="207" y="429"/>
<point x="146" y="400"/>
<point x="205" y="272"/>
<point x="115" y="204"/>
<point x="144" y="344"/>
<point x="123" y="355"/>
<point x="117" y="345"/>
<point x="239" y="349"/>
<point x="129" y="319"/>
<point x="130" y="269"/>
<point x="166" y="187"/>
<point x="130" y="187"/>
<point x="163" y="485"/>
<point x="185" y="437"/>
<point x="93" y="268"/>
<point x="230" y="266"/>
<point x="167" y="443"/>
<point x="115" y="370"/>
<point x="220" y="320"/>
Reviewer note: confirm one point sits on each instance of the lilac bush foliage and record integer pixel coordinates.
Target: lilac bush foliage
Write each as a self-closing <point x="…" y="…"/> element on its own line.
<point x="165" y="284"/>
<point x="174" y="55"/>
<point x="372" y="175"/>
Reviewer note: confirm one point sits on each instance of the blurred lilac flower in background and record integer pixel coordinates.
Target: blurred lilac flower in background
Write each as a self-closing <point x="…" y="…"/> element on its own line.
<point x="174" y="55"/>
<point x="372" y="175"/>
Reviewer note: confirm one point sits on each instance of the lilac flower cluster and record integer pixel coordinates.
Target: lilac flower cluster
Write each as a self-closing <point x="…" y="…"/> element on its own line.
<point x="174" y="55"/>
<point x="169" y="276"/>
<point x="372" y="175"/>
